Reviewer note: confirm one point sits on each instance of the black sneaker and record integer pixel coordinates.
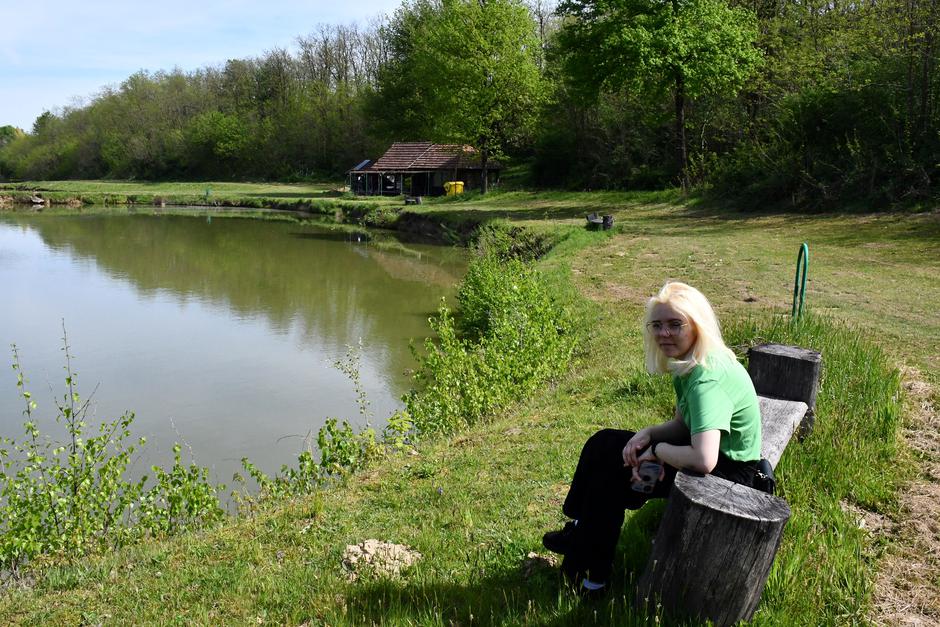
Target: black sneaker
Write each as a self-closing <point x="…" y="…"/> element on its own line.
<point x="561" y="541"/>
<point x="574" y="572"/>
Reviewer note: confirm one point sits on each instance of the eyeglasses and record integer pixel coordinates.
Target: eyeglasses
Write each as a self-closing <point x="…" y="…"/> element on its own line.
<point x="671" y="327"/>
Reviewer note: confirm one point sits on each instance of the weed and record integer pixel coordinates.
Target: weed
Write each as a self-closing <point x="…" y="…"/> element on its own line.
<point x="68" y="498"/>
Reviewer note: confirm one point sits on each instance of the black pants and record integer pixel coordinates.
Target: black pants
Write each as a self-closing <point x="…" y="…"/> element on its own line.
<point x="600" y="492"/>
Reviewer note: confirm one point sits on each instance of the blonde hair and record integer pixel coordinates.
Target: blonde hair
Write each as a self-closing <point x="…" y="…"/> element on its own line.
<point x="692" y="304"/>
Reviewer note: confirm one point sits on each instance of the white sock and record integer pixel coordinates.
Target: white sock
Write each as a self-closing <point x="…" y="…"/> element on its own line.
<point x="591" y="585"/>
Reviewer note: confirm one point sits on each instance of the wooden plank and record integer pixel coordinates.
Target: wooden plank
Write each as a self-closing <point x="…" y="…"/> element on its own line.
<point x="779" y="420"/>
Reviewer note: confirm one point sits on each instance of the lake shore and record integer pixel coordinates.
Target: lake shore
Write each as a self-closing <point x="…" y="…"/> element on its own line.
<point x="322" y="202"/>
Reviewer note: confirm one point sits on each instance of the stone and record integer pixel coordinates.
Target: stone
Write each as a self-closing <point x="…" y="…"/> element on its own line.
<point x="383" y="559"/>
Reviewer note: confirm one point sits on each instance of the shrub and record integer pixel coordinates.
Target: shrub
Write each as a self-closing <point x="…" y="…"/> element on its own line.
<point x="342" y="449"/>
<point x="510" y="336"/>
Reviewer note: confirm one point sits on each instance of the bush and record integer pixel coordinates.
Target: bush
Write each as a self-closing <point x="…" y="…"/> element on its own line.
<point x="343" y="449"/>
<point x="828" y="146"/>
<point x="510" y="336"/>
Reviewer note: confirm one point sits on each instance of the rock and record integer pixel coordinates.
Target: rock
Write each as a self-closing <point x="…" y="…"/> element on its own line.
<point x="535" y="562"/>
<point x="384" y="559"/>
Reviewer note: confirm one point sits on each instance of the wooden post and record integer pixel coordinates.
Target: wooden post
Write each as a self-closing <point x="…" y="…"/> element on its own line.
<point x="713" y="550"/>
<point x="786" y="372"/>
<point x="789" y="373"/>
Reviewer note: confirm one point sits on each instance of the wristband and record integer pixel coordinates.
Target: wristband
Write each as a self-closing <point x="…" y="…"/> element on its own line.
<point x="654" y="450"/>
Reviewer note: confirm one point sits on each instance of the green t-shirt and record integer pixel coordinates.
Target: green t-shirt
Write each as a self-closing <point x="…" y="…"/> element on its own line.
<point x="721" y="397"/>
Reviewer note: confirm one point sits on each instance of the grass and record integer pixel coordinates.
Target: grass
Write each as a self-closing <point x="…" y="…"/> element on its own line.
<point x="476" y="504"/>
<point x="280" y="190"/>
<point x="324" y="197"/>
<point x="877" y="270"/>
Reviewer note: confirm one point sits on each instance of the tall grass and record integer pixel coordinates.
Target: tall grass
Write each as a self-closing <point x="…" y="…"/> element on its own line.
<point x="850" y="463"/>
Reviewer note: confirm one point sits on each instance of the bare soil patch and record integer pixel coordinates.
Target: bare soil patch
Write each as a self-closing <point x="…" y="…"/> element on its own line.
<point x="907" y="590"/>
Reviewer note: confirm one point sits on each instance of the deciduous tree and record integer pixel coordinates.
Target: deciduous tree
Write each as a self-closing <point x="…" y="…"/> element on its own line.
<point x="689" y="47"/>
<point x="462" y="71"/>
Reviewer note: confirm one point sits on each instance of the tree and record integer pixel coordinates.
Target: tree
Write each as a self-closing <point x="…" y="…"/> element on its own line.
<point x="462" y="71"/>
<point x="8" y="133"/>
<point x="692" y="48"/>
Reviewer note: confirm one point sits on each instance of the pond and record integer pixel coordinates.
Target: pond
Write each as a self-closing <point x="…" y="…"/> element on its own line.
<point x="219" y="333"/>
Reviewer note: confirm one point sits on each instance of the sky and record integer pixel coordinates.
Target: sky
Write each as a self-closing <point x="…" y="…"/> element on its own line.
<point x="56" y="53"/>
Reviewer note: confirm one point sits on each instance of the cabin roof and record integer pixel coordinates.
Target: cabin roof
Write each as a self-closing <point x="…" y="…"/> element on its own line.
<point x="424" y="156"/>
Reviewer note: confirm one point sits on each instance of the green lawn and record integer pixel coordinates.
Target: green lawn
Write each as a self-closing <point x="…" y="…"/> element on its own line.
<point x="324" y="198"/>
<point x="476" y="504"/>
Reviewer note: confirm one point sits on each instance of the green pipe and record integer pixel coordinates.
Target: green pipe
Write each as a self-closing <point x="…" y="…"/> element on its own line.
<point x="799" y="283"/>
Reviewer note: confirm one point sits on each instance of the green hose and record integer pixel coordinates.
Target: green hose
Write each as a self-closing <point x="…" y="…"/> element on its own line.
<point x="799" y="283"/>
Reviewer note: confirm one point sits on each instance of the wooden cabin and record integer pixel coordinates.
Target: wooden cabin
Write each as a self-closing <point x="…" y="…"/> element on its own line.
<point x="420" y="169"/>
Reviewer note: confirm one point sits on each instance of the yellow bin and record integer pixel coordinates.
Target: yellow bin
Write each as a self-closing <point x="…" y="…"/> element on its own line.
<point x="452" y="188"/>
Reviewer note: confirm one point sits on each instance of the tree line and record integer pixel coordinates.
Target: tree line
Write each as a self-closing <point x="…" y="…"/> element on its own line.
<point x="804" y="102"/>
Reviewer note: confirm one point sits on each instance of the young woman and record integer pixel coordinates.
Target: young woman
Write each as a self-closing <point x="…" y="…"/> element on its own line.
<point x="715" y="429"/>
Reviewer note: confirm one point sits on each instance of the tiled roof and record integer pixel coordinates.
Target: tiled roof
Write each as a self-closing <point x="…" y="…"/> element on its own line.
<point x="401" y="155"/>
<point x="420" y="156"/>
<point x="448" y="156"/>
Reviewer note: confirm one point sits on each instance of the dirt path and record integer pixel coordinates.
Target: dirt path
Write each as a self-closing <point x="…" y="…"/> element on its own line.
<point x="907" y="590"/>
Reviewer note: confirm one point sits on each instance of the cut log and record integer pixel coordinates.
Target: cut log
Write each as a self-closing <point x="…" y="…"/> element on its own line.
<point x="713" y="550"/>
<point x="789" y="373"/>
<point x="786" y="372"/>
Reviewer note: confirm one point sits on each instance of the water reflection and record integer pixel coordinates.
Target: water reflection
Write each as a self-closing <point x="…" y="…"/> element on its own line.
<point x="221" y="332"/>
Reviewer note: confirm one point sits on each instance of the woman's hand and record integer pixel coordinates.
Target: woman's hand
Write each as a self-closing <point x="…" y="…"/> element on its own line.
<point x="635" y="445"/>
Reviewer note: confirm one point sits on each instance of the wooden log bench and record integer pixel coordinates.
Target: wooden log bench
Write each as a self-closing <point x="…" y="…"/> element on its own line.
<point x="714" y="548"/>
<point x="596" y="221"/>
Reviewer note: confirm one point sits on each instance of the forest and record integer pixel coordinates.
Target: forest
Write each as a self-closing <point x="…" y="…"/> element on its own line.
<point x="800" y="103"/>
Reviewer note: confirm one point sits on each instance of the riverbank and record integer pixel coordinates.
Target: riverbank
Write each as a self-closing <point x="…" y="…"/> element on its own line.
<point x="476" y="504"/>
<point x="207" y="193"/>
<point x="323" y="202"/>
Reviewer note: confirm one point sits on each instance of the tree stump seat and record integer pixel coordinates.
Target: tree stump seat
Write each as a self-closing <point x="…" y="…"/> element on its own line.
<point x="717" y="540"/>
<point x="597" y="221"/>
